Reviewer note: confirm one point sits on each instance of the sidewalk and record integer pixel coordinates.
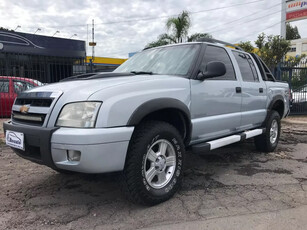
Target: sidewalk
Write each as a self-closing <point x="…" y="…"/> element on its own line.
<point x="279" y="220"/>
<point x="299" y="119"/>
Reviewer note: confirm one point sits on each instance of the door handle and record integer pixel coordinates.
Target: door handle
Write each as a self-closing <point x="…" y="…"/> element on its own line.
<point x="260" y="90"/>
<point x="238" y="90"/>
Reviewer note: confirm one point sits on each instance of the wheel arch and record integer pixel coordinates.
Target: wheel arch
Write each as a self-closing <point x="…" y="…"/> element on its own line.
<point x="277" y="104"/>
<point x="169" y="110"/>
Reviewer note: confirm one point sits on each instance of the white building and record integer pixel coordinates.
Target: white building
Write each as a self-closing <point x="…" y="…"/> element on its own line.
<point x="298" y="47"/>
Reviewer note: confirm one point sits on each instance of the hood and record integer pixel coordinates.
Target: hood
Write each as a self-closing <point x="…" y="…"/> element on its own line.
<point x="82" y="89"/>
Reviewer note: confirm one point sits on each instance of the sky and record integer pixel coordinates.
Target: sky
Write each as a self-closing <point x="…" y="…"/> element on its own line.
<point x="123" y="26"/>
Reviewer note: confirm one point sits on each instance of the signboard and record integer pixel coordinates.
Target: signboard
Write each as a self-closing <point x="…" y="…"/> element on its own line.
<point x="92" y="43"/>
<point x="16" y="42"/>
<point x="296" y="10"/>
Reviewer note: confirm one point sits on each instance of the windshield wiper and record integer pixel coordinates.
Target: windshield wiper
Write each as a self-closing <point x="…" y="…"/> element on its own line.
<point x="141" y="72"/>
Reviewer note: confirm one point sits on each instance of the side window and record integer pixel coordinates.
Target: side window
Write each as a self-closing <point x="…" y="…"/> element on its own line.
<point x="20" y="86"/>
<point x="247" y="67"/>
<point x="268" y="73"/>
<point x="214" y="53"/>
<point x="251" y="63"/>
<point x="4" y="86"/>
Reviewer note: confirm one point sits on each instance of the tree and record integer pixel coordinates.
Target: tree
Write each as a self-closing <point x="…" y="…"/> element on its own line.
<point x="197" y="36"/>
<point x="178" y="28"/>
<point x="246" y="46"/>
<point x="272" y="48"/>
<point x="5" y="29"/>
<point x="299" y="75"/>
<point x="292" y="32"/>
<point x="163" y="40"/>
<point x="293" y="61"/>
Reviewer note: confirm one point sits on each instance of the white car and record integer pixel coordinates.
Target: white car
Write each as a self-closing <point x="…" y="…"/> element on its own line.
<point x="300" y="95"/>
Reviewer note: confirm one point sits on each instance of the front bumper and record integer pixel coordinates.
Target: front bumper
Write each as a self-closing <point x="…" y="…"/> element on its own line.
<point x="102" y="150"/>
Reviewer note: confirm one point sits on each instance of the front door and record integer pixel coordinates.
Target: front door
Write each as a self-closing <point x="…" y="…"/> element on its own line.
<point x="215" y="102"/>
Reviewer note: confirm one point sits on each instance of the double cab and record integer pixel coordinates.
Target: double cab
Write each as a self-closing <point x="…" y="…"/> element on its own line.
<point x="145" y="116"/>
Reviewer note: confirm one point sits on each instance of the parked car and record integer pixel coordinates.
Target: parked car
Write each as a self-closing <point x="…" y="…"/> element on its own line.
<point x="299" y="99"/>
<point x="9" y="89"/>
<point x="141" y="118"/>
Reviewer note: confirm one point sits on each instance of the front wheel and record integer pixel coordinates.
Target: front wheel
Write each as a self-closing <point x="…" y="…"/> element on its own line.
<point x="268" y="141"/>
<point x="154" y="164"/>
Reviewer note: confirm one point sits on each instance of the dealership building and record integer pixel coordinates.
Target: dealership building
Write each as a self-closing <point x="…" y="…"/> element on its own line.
<point x="44" y="58"/>
<point x="102" y="64"/>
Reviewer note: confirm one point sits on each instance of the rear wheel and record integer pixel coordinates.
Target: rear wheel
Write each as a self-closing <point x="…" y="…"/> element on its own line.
<point x="153" y="169"/>
<point x="268" y="141"/>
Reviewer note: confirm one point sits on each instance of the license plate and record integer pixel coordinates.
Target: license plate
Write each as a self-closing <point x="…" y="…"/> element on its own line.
<point x="14" y="139"/>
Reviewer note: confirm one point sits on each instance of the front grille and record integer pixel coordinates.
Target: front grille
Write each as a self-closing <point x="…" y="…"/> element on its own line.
<point x="33" y="108"/>
<point x="29" y="118"/>
<point x="38" y="102"/>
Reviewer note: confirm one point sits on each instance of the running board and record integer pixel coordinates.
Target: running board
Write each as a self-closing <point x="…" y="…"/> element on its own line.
<point x="202" y="148"/>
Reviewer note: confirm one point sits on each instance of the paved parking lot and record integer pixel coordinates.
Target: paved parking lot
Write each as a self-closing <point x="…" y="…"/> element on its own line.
<point x="233" y="182"/>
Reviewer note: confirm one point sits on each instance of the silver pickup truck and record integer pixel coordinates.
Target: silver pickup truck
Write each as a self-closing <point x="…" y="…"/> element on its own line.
<point x="141" y="118"/>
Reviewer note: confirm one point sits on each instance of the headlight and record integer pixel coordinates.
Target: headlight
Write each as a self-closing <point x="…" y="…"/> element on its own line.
<point x="79" y="115"/>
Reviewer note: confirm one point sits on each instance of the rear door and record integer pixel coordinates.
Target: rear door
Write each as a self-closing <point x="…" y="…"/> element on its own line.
<point x="253" y="92"/>
<point x="215" y="102"/>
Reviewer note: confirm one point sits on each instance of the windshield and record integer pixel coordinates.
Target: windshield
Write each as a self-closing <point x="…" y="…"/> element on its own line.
<point x="173" y="60"/>
<point x="38" y="82"/>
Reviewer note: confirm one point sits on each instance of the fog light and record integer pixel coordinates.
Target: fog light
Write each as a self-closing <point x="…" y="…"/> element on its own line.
<point x="73" y="155"/>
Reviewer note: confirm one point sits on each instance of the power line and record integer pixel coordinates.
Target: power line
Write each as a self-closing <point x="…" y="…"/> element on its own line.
<point x="263" y="29"/>
<point x="245" y="22"/>
<point x="225" y="7"/>
<point x="246" y="36"/>
<point x="167" y="16"/>
<point x="249" y="15"/>
<point x="153" y="18"/>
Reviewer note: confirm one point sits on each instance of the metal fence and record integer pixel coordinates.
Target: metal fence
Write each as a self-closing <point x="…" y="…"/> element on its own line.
<point x="19" y="72"/>
<point x="296" y="75"/>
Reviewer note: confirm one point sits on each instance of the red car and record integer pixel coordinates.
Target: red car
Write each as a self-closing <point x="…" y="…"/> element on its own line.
<point x="9" y="88"/>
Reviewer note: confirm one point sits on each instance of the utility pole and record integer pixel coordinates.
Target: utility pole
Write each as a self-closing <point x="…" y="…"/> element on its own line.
<point x="87" y="44"/>
<point x="93" y="40"/>
<point x="92" y="44"/>
<point x="283" y="19"/>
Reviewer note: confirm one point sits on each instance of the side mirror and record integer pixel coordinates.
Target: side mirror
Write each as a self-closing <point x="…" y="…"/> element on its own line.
<point x="213" y="69"/>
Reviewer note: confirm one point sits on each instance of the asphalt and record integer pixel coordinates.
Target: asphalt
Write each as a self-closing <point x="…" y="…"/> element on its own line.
<point x="235" y="187"/>
<point x="293" y="218"/>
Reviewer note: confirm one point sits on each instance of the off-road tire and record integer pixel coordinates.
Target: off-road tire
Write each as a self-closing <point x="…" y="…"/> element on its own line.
<point x="263" y="142"/>
<point x="134" y="184"/>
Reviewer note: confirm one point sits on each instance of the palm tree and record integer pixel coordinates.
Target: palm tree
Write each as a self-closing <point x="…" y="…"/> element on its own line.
<point x="163" y="39"/>
<point x="179" y="27"/>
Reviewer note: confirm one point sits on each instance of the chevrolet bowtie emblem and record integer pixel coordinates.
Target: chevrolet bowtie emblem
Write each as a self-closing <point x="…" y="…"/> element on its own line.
<point x="24" y="108"/>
